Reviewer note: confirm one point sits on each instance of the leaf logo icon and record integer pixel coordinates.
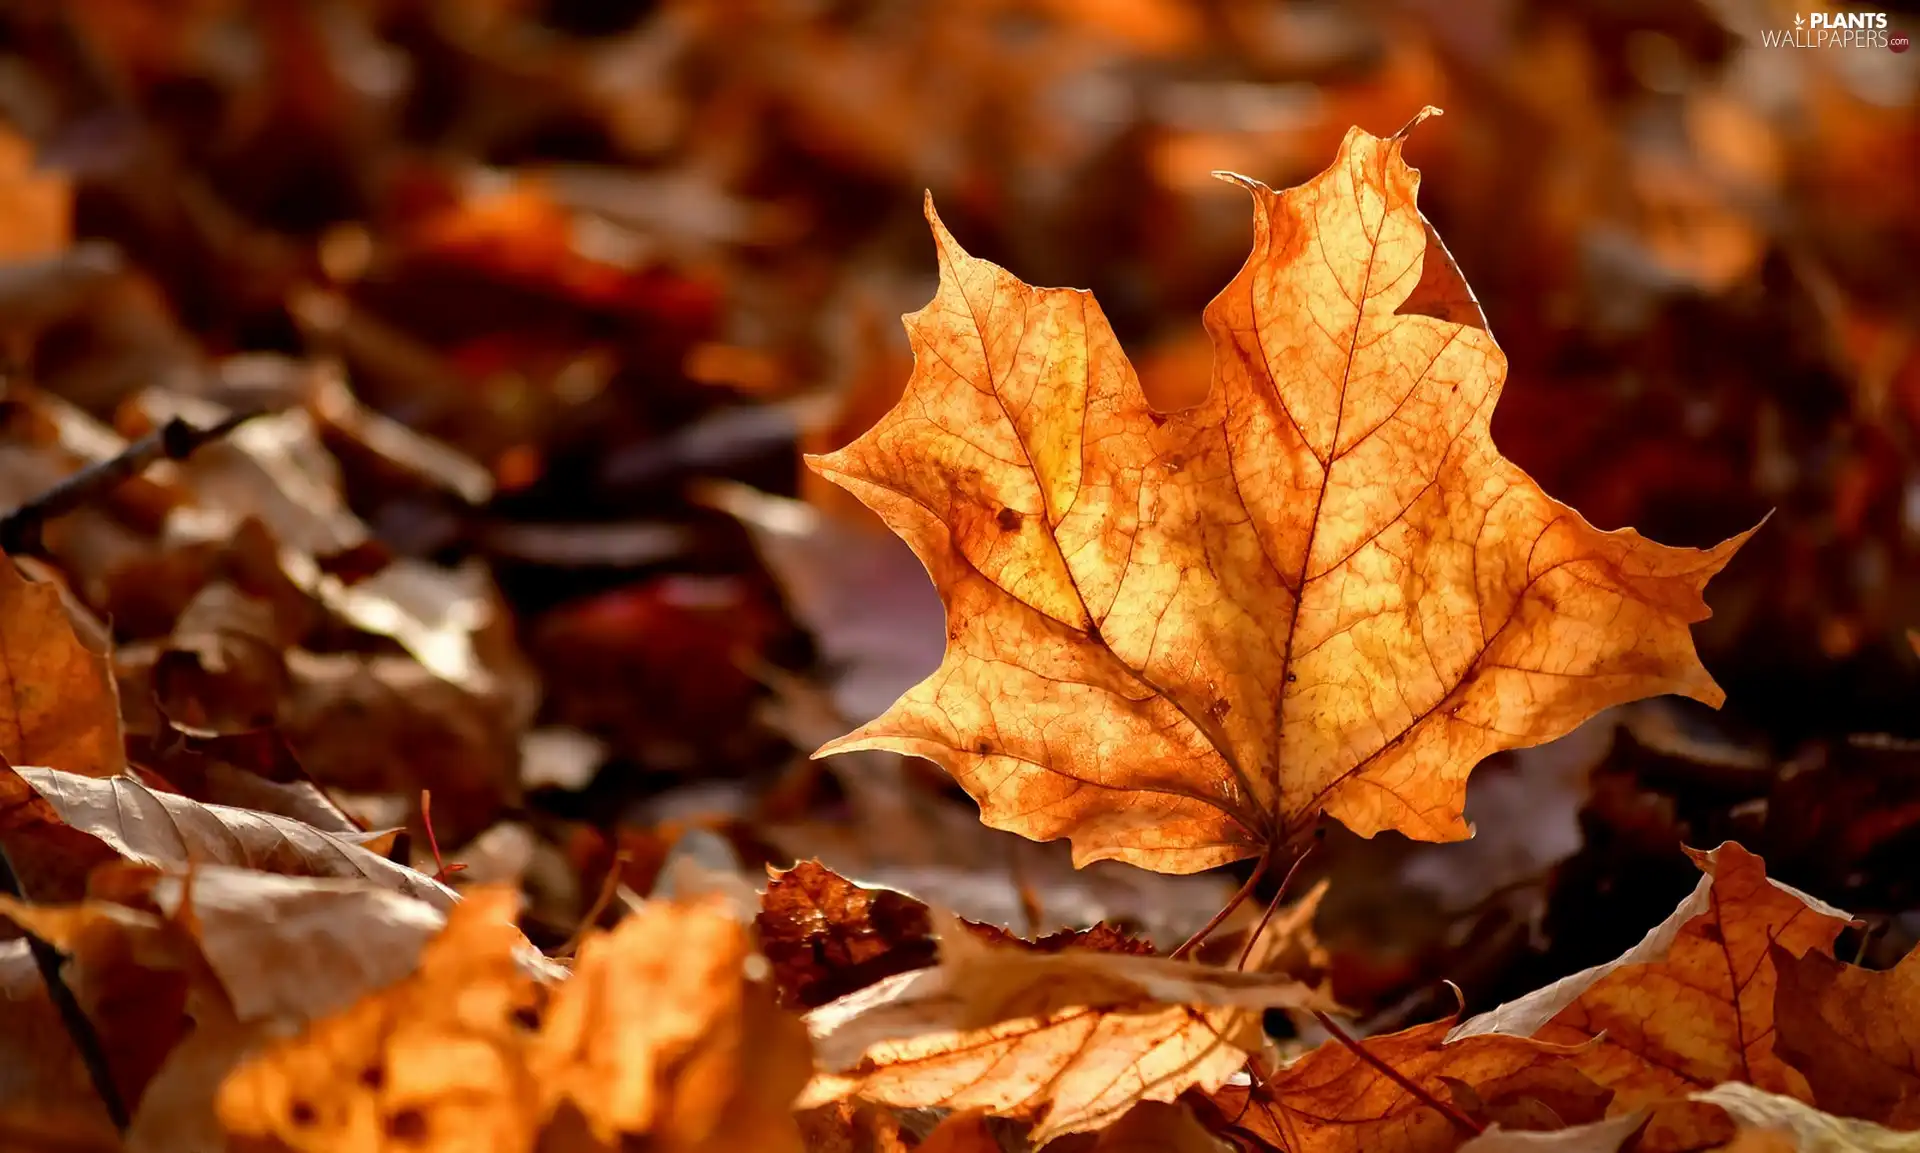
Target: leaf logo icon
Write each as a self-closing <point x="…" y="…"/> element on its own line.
<point x="1799" y="21"/>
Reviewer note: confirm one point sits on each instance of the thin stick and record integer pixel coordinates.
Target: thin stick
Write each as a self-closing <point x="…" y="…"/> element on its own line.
<point x="174" y="440"/>
<point x="1286" y="883"/>
<point x="1206" y="930"/>
<point x="86" y="1040"/>
<point x="441" y="870"/>
<point x="1460" y="1120"/>
<point x="600" y="902"/>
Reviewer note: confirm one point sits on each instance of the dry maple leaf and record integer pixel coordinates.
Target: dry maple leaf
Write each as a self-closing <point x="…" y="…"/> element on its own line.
<point x="1691" y="1006"/>
<point x="1331" y="1100"/>
<point x="43" y="809"/>
<point x="1069" y="1040"/>
<point x="1853" y="1033"/>
<point x="1175" y="638"/>
<point x="58" y="702"/>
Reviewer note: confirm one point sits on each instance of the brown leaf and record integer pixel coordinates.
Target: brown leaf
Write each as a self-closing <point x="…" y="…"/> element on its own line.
<point x="1331" y="1100"/>
<point x="826" y="936"/>
<point x="136" y="1006"/>
<point x="385" y="724"/>
<point x="1069" y="1040"/>
<point x="58" y="704"/>
<point x="851" y="1127"/>
<point x="1853" y="1033"/>
<point x="139" y="824"/>
<point x="1135" y="666"/>
<point x="1691" y="1006"/>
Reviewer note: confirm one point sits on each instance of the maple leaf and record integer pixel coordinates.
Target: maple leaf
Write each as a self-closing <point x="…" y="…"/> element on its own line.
<point x="1853" y="1033"/>
<point x="71" y="822"/>
<point x="1070" y="1040"/>
<point x="1176" y="638"/>
<point x="58" y="702"/>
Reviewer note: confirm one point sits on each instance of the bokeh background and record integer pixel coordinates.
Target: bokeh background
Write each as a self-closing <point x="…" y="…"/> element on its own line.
<point x="546" y="297"/>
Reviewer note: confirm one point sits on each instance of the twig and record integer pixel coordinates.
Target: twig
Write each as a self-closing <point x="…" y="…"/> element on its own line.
<point x="599" y="906"/>
<point x="1460" y="1120"/>
<point x="174" y="440"/>
<point x="1206" y="930"/>
<point x="85" y="1039"/>
<point x="441" y="870"/>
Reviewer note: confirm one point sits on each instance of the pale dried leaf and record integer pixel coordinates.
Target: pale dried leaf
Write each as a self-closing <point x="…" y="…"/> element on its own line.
<point x="1070" y="1040"/>
<point x="166" y="829"/>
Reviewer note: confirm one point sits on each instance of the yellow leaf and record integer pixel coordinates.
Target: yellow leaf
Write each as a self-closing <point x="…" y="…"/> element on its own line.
<point x="1176" y="638"/>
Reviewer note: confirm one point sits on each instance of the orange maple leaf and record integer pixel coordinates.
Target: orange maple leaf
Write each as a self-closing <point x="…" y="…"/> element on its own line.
<point x="1176" y="638"/>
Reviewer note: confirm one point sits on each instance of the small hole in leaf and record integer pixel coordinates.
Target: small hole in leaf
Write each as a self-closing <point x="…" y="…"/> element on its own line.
<point x="527" y="1017"/>
<point x="373" y="1076"/>
<point x="302" y="1114"/>
<point x="409" y="1125"/>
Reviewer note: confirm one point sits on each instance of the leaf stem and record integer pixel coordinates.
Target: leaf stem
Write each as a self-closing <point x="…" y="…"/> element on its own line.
<point x="1206" y="930"/>
<point x="86" y="1040"/>
<point x="1286" y="883"/>
<point x="1459" y="1120"/>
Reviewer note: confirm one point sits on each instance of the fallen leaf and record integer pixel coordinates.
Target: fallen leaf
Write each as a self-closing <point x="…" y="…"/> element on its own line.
<point x="1135" y="666"/>
<point x="383" y="723"/>
<point x="851" y="1127"/>
<point x="1607" y="1136"/>
<point x="1853" y="1033"/>
<point x="58" y="703"/>
<point x="425" y="1061"/>
<point x="1691" y="1006"/>
<point x="663" y="1035"/>
<point x="1332" y="1100"/>
<point x="37" y="204"/>
<point x="1811" y="1130"/>
<point x="826" y="936"/>
<point x="660" y="1035"/>
<point x="1155" y="1127"/>
<point x="1069" y="1040"/>
<point x="139" y="824"/>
